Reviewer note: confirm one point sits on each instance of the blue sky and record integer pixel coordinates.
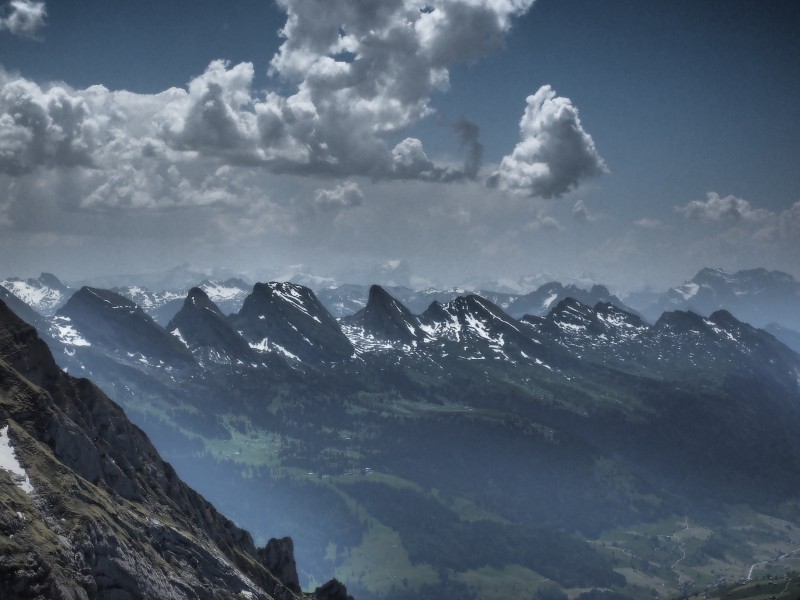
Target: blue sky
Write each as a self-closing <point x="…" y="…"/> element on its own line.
<point x="656" y="138"/>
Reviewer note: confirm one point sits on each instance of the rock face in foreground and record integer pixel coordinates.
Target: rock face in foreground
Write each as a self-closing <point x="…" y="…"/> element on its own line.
<point x="89" y="510"/>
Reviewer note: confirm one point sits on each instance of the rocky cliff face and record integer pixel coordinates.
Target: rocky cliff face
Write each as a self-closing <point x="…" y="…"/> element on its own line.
<point x="89" y="509"/>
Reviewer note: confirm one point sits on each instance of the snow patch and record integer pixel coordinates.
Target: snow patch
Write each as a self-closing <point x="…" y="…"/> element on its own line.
<point x="216" y="291"/>
<point x="177" y="333"/>
<point x="290" y="294"/>
<point x="64" y="332"/>
<point x="575" y="328"/>
<point x="265" y="346"/>
<point x="548" y="301"/>
<point x="477" y="326"/>
<point x="9" y="462"/>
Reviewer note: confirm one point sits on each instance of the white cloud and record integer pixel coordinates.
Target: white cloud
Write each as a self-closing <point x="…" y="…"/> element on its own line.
<point x="409" y="158"/>
<point x="544" y="223"/>
<point x="580" y="212"/>
<point x="43" y="127"/>
<point x="648" y="223"/>
<point x="554" y="153"/>
<point x="744" y="227"/>
<point x="789" y="223"/>
<point x="216" y="116"/>
<point x="358" y="72"/>
<point x="363" y="69"/>
<point x="729" y="209"/>
<point x="23" y="17"/>
<point x="344" y="195"/>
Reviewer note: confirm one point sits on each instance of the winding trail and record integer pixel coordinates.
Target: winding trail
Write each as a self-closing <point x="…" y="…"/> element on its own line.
<point x="764" y="562"/>
<point x="682" y="546"/>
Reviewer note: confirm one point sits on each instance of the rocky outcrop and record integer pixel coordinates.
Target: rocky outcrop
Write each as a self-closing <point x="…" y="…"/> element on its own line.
<point x="278" y="557"/>
<point x="333" y="590"/>
<point x="106" y="517"/>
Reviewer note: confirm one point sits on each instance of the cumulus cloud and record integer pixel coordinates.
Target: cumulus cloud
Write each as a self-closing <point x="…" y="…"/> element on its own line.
<point x="409" y="160"/>
<point x="554" y="152"/>
<point x="357" y="72"/>
<point x="364" y="69"/>
<point x="23" y="17"/>
<point x="728" y="209"/>
<point x="43" y="127"/>
<point x="330" y="201"/>
<point x="352" y="76"/>
<point x="216" y="115"/>
<point x="344" y="195"/>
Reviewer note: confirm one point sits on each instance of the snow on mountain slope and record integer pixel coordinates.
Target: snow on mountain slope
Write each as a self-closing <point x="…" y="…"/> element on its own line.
<point x="289" y="317"/>
<point x="45" y="294"/>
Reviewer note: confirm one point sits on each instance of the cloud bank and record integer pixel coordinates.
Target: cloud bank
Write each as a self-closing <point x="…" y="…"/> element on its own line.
<point x="358" y="74"/>
<point x="728" y="209"/>
<point x="742" y="220"/>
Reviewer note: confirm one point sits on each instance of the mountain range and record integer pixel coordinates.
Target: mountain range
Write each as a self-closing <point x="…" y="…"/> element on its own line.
<point x="757" y="296"/>
<point x="407" y="451"/>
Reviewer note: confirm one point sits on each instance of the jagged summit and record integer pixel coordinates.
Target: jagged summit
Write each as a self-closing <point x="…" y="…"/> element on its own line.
<point x="477" y="328"/>
<point x="52" y="281"/>
<point x="571" y="313"/>
<point x="201" y="327"/>
<point x="228" y="295"/>
<point x="288" y="318"/>
<point x="681" y="320"/>
<point x="386" y="318"/>
<point x="198" y="298"/>
<point x="110" y="320"/>
<point x="604" y="318"/>
<point x="543" y="299"/>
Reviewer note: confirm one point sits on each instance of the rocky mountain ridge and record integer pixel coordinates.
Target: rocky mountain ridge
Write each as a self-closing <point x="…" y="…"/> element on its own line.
<point x="562" y="424"/>
<point x="99" y="514"/>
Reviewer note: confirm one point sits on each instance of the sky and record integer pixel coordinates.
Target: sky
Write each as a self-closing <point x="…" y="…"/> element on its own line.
<point x="446" y="142"/>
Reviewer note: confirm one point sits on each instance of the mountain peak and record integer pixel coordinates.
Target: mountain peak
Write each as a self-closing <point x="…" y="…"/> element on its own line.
<point x="113" y="321"/>
<point x="52" y="281"/>
<point x="386" y="318"/>
<point x="288" y="318"/>
<point x="682" y="320"/>
<point x="45" y="294"/>
<point x="198" y="298"/>
<point x="201" y="327"/>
